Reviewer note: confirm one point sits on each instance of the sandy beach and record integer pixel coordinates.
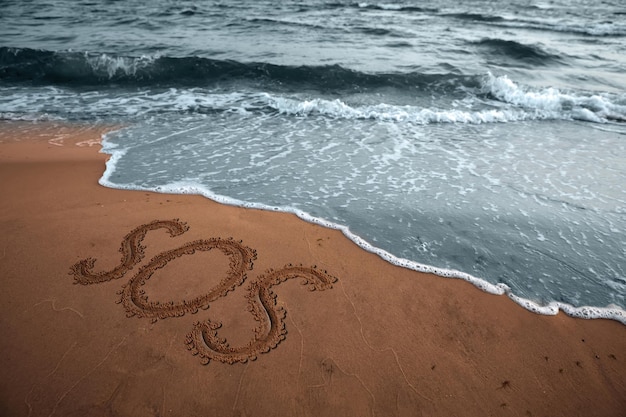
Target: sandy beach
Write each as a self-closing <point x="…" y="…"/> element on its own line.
<point x="127" y="303"/>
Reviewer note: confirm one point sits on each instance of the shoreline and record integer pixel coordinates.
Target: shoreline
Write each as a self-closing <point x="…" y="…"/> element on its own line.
<point x="384" y="340"/>
<point x="552" y="308"/>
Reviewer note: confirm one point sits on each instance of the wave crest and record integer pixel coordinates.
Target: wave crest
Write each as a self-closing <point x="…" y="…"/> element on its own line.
<point x="553" y="103"/>
<point x="76" y="68"/>
<point x="517" y="51"/>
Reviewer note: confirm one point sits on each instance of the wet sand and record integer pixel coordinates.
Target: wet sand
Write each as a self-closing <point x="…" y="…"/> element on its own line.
<point x="142" y="304"/>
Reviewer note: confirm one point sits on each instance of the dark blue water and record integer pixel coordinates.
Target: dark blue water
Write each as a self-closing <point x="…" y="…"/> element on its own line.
<point x="479" y="140"/>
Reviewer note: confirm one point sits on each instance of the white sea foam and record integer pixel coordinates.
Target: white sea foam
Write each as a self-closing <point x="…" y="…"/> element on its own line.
<point x="391" y="113"/>
<point x="555" y="104"/>
<point x="28" y="117"/>
<point x="584" y="312"/>
<point x="384" y="6"/>
<point x="118" y="65"/>
<point x="530" y="104"/>
<point x="522" y="103"/>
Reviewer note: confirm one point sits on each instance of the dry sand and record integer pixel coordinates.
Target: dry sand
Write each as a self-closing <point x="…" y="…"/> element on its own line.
<point x="380" y="340"/>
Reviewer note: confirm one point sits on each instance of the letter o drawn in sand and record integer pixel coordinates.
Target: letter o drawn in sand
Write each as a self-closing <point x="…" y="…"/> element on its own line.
<point x="203" y="339"/>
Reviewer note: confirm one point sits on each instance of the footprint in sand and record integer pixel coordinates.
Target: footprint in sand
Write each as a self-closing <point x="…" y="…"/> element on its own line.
<point x="203" y="340"/>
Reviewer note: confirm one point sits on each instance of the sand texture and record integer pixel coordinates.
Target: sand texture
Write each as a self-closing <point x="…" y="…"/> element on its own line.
<point x="128" y="303"/>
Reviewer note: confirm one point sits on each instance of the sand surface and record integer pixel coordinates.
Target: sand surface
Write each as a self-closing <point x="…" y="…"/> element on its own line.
<point x="103" y="312"/>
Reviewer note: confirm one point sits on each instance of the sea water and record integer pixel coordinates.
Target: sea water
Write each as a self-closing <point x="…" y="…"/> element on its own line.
<point x="476" y="140"/>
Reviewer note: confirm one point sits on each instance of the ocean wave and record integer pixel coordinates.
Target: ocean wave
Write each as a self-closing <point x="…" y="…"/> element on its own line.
<point x="199" y="101"/>
<point x="599" y="29"/>
<point x="393" y="113"/>
<point x="497" y="99"/>
<point x="393" y="6"/>
<point x="524" y="103"/>
<point x="474" y="17"/>
<point x="379" y="6"/>
<point x="605" y="29"/>
<point x="553" y="103"/>
<point x="195" y="84"/>
<point x="274" y="22"/>
<point x="518" y="51"/>
<point x="23" y="65"/>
